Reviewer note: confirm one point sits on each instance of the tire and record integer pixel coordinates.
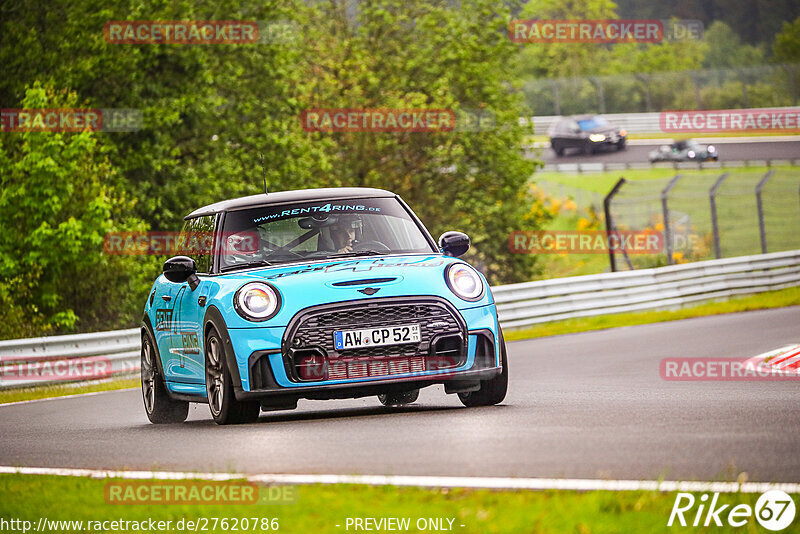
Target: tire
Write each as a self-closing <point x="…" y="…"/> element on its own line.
<point x="399" y="399"/>
<point x="588" y="149"/>
<point x="222" y="403"/>
<point x="492" y="391"/>
<point x="158" y="405"/>
<point x="559" y="150"/>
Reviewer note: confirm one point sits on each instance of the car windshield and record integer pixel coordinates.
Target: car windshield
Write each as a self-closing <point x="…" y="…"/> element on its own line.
<point x="684" y="144"/>
<point x="591" y="124"/>
<point x="270" y="235"/>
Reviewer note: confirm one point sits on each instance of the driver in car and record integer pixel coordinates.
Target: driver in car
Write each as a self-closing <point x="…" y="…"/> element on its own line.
<point x="343" y="234"/>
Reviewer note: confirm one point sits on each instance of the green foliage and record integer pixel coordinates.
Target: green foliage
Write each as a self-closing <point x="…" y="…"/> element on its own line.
<point x="719" y="71"/>
<point x="209" y="111"/>
<point x="726" y="50"/>
<point x="422" y="54"/>
<point x="787" y="43"/>
<point x="56" y="206"/>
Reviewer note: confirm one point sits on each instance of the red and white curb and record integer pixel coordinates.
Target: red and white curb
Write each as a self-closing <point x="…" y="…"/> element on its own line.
<point x="567" y="484"/>
<point x="785" y="360"/>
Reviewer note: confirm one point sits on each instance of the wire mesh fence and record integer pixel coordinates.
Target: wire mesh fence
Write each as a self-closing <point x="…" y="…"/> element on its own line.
<point x="707" y="214"/>
<point x="758" y="86"/>
<point x="585" y="200"/>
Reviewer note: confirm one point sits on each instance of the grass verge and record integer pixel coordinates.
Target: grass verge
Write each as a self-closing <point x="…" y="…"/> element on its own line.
<point x="761" y="301"/>
<point x="326" y="508"/>
<point x="602" y="182"/>
<point x="64" y="390"/>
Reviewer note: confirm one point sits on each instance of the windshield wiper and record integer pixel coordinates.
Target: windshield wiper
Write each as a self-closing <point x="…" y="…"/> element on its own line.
<point x="357" y="253"/>
<point x="259" y="263"/>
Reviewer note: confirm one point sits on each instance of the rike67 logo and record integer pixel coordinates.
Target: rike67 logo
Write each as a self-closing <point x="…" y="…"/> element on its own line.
<point x="774" y="510"/>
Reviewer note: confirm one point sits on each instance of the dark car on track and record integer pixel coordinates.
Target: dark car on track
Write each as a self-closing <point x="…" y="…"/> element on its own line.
<point x="586" y="133"/>
<point x="685" y="150"/>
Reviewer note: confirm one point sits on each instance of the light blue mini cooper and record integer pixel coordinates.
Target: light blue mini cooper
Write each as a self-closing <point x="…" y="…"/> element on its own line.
<point x="316" y="294"/>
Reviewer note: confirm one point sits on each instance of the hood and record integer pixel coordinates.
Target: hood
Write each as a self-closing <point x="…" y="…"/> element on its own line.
<point x="308" y="284"/>
<point x="603" y="130"/>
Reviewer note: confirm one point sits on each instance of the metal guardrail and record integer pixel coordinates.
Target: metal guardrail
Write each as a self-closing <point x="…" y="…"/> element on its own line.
<point x="117" y="352"/>
<point x="647" y="289"/>
<point x="61" y="359"/>
<point x="636" y="123"/>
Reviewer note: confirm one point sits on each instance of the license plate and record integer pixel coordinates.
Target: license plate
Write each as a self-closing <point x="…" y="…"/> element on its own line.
<point x="376" y="337"/>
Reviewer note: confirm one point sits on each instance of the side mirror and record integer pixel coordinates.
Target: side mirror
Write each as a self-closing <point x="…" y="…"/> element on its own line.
<point x="454" y="243"/>
<point x="181" y="269"/>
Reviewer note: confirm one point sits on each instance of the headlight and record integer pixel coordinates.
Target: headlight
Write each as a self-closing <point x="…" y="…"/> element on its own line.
<point x="597" y="138"/>
<point x="257" y="301"/>
<point x="464" y="281"/>
<point x="623" y="133"/>
<point x="711" y="148"/>
<point x="691" y="154"/>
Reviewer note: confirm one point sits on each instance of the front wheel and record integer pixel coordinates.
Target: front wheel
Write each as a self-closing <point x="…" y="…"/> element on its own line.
<point x="158" y="405"/>
<point x="492" y="391"/>
<point x="222" y="403"/>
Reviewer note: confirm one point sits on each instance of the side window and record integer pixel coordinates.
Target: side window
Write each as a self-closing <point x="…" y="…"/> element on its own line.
<point x="197" y="238"/>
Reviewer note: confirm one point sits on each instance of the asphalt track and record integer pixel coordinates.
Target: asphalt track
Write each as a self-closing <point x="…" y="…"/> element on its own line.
<point x="590" y="405"/>
<point x="638" y="153"/>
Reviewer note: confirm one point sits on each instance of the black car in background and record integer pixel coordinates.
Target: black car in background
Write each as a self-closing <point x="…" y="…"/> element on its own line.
<point x="685" y="150"/>
<point x="587" y="133"/>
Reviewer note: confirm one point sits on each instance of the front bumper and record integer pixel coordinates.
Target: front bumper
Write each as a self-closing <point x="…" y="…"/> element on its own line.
<point x="613" y="139"/>
<point x="266" y="369"/>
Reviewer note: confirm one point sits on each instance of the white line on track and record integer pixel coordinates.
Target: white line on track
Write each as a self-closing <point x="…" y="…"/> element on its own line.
<point x="570" y="484"/>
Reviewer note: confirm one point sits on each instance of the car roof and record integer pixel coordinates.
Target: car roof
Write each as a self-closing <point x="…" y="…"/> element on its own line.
<point x="285" y="197"/>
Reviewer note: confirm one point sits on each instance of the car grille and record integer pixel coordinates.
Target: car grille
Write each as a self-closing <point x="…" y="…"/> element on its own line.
<point x="309" y="351"/>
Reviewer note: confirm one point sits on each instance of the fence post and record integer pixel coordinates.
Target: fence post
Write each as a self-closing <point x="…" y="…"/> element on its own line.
<point x="556" y="97"/>
<point x="601" y="97"/>
<point x="762" y="229"/>
<point x="712" y="196"/>
<point x="665" y="211"/>
<point x="609" y="223"/>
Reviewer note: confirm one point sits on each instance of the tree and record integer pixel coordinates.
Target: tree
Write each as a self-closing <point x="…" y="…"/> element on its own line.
<point x="726" y="50"/>
<point x="423" y="54"/>
<point x="56" y="207"/>
<point x="787" y="43"/>
<point x="561" y="60"/>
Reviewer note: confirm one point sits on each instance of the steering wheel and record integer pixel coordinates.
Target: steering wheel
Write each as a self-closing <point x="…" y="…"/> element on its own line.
<point x="370" y="245"/>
